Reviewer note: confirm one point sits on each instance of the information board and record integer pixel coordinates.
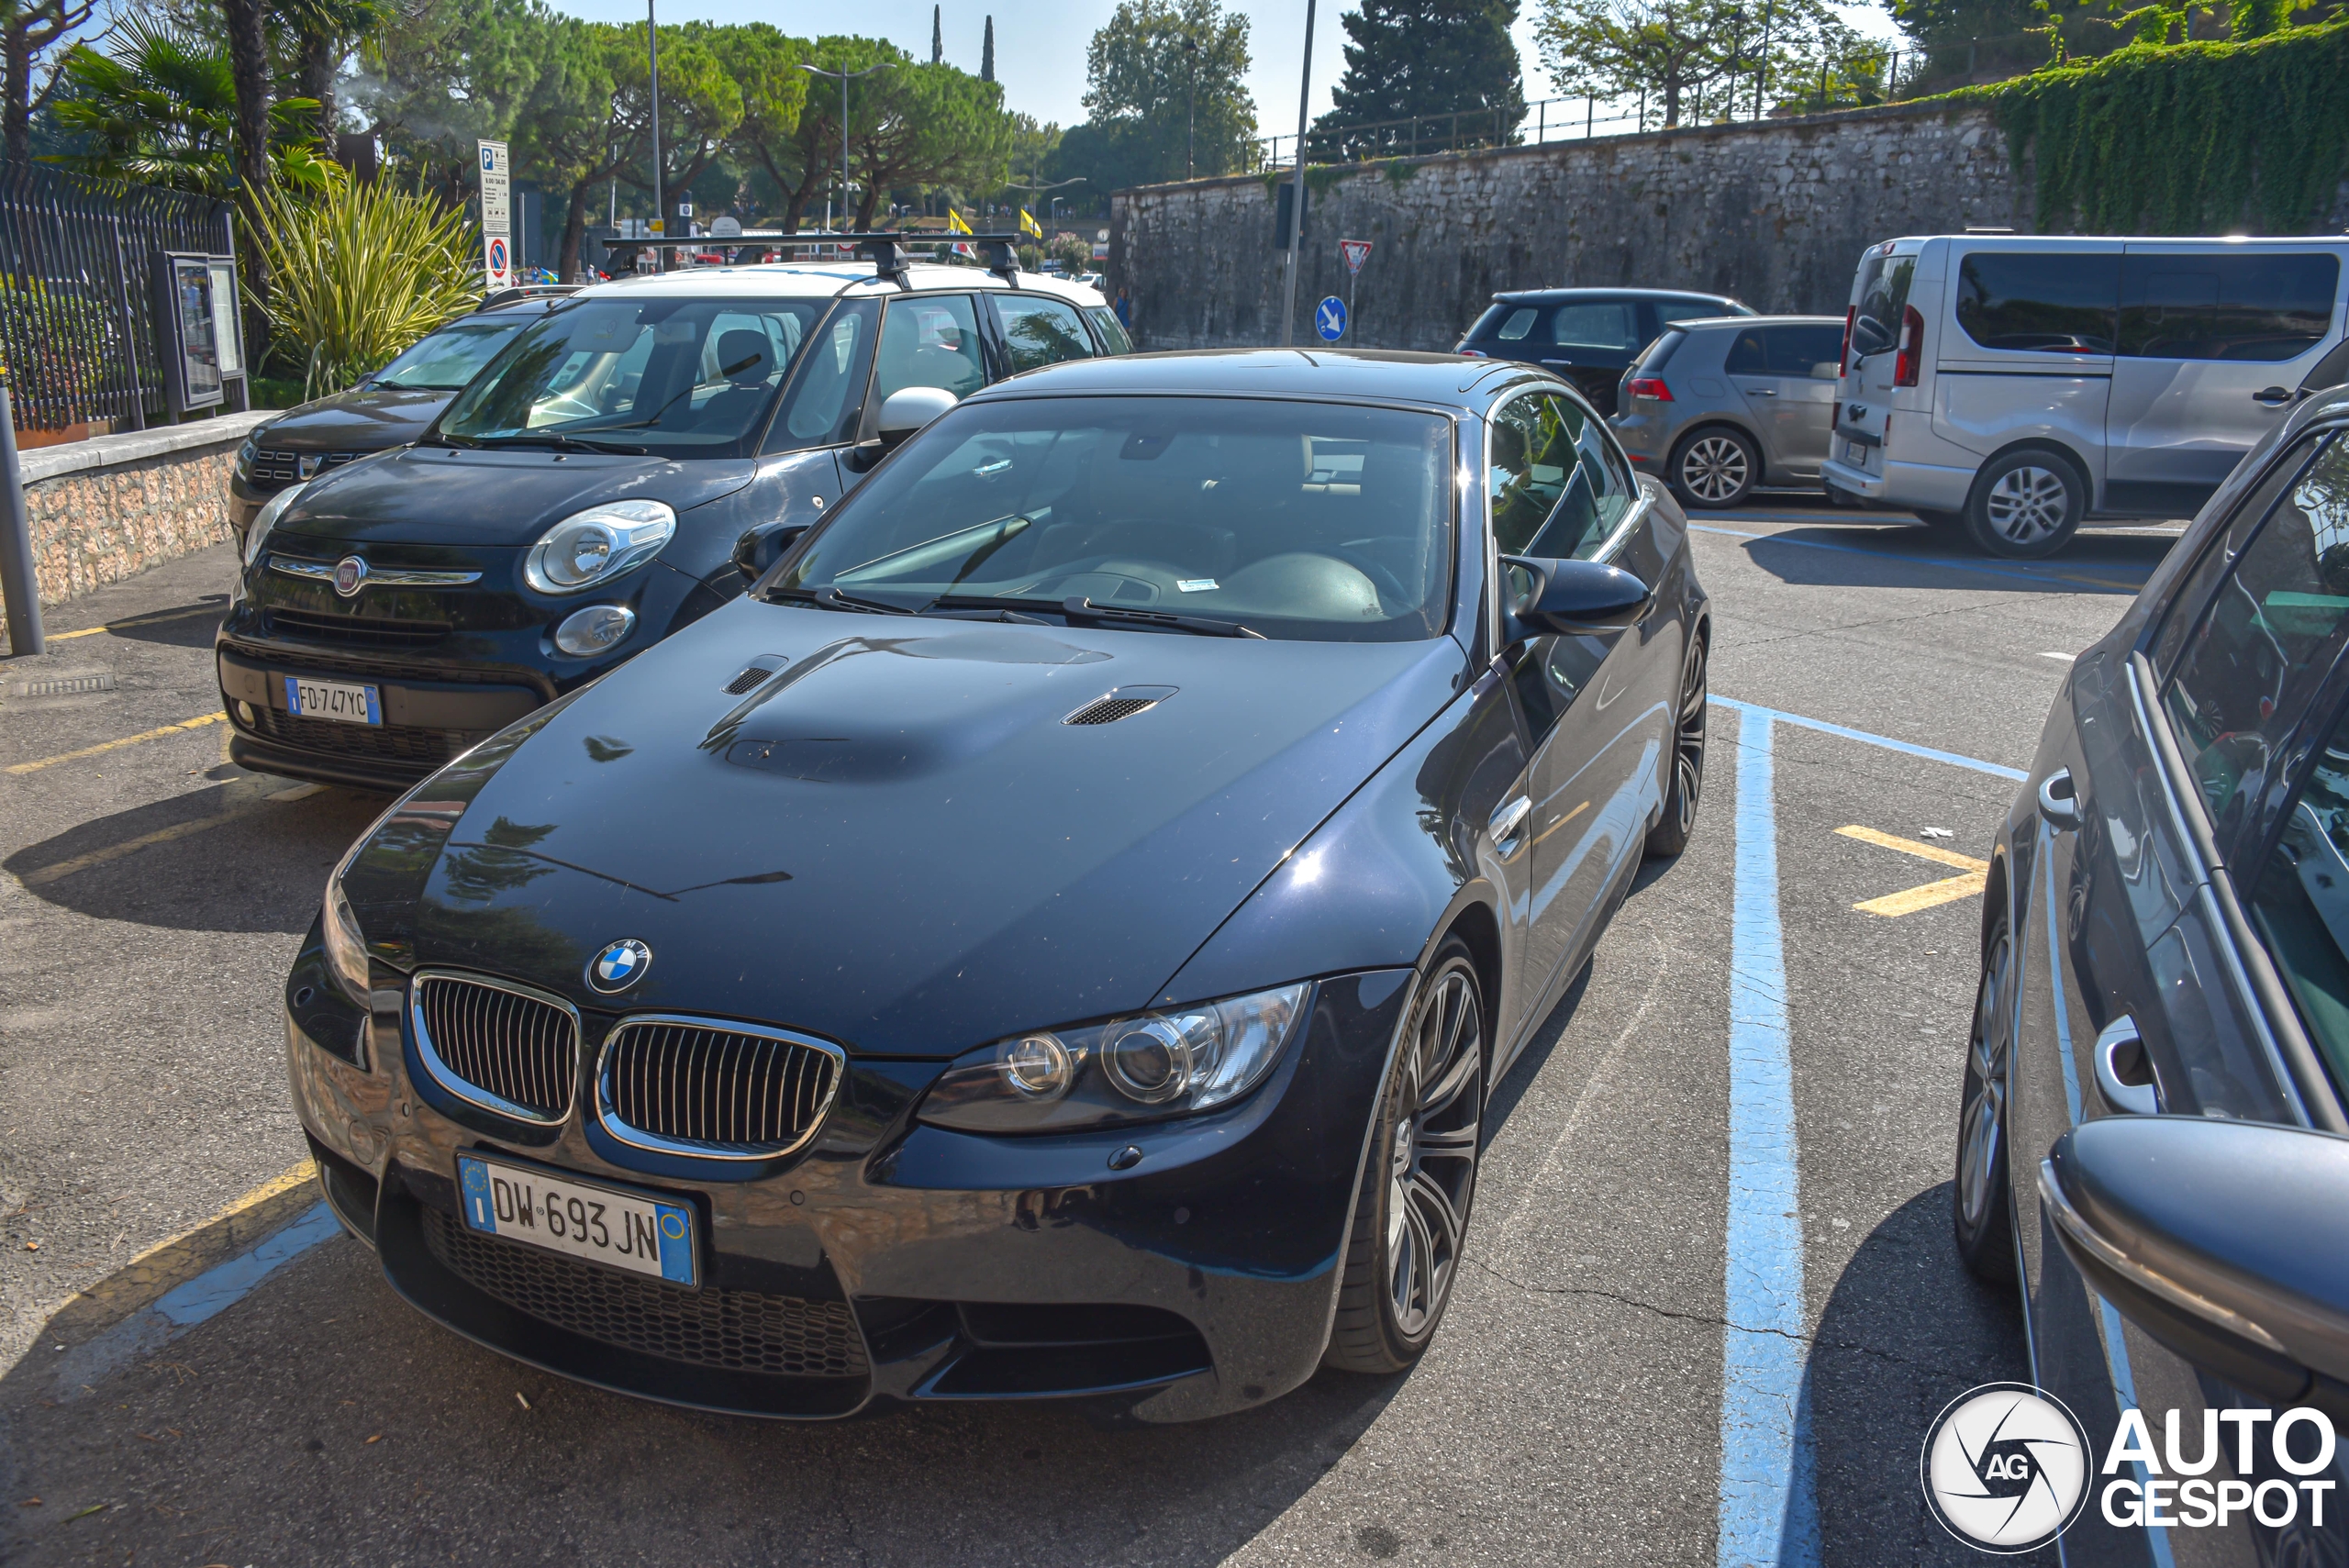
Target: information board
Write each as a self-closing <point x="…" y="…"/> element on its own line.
<point x="496" y="216"/>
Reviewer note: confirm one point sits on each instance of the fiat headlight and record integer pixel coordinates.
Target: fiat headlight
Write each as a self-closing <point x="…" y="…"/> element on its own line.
<point x="597" y="545"/>
<point x="266" y="519"/>
<point x="1142" y="1068"/>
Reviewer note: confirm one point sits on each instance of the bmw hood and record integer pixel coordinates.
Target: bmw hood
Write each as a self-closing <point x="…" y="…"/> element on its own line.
<point x="366" y="421"/>
<point x="451" y="496"/>
<point x="890" y="831"/>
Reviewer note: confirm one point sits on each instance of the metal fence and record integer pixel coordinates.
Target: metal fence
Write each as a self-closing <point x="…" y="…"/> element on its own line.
<point x="78" y="336"/>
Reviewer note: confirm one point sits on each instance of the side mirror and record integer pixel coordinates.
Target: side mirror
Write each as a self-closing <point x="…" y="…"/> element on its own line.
<point x="1570" y="596"/>
<point x="1868" y="336"/>
<point x="907" y="409"/>
<point x="2224" y="1240"/>
<point x="760" y="547"/>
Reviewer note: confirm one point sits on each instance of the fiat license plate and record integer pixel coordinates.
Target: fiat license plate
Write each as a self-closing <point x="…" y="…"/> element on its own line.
<point x="346" y="701"/>
<point x="612" y="1225"/>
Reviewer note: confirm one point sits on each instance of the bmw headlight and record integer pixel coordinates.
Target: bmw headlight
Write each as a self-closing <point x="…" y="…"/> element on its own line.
<point x="597" y="545"/>
<point x="266" y="519"/>
<point x="1142" y="1068"/>
<point x="346" y="943"/>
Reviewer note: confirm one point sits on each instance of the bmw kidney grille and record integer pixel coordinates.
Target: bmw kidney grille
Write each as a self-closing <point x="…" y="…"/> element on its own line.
<point x="724" y="1091"/>
<point x="502" y="1047"/>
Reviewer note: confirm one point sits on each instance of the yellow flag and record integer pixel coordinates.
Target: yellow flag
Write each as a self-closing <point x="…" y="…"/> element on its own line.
<point x="954" y="223"/>
<point x="1027" y="224"/>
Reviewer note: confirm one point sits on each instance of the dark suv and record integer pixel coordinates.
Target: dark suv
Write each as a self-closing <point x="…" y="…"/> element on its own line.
<point x="1588" y="336"/>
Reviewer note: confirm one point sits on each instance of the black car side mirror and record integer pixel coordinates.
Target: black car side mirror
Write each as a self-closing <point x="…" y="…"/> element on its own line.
<point x="762" y="546"/>
<point x="2226" y="1242"/>
<point x="1549" y="596"/>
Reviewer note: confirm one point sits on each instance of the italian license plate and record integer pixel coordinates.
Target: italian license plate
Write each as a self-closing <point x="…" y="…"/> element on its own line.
<point x="346" y="701"/>
<point x="604" y="1224"/>
<point x="1854" y="452"/>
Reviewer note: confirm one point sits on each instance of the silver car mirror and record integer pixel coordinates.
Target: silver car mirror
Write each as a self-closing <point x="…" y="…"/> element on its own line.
<point x="907" y="409"/>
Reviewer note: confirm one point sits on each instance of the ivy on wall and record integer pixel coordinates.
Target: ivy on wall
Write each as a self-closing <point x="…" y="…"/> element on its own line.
<point x="2186" y="139"/>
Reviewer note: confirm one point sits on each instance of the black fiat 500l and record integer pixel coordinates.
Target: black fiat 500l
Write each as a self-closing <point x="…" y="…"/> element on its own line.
<point x="1055" y="935"/>
<point x="2151" y="1134"/>
<point x="586" y="494"/>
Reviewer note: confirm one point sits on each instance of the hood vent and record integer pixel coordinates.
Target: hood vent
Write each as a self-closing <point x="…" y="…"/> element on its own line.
<point x="1123" y="702"/>
<point x="758" y="670"/>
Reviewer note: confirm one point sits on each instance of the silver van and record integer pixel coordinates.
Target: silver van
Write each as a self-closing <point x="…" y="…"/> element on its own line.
<point x="2014" y="386"/>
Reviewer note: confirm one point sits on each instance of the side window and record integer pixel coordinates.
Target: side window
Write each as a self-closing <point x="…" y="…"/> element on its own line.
<point x="1554" y="487"/>
<point x="2184" y="612"/>
<point x="930" y="341"/>
<point x="1747" y="356"/>
<point x="823" y="409"/>
<point x="1105" y="321"/>
<point x="1037" y="332"/>
<point x="2300" y="904"/>
<point x="1519" y="325"/>
<point x="1672" y="311"/>
<point x="2244" y="306"/>
<point x="2041" y="301"/>
<point x="1595" y="324"/>
<point x="1811" y="352"/>
<point x="2265" y="641"/>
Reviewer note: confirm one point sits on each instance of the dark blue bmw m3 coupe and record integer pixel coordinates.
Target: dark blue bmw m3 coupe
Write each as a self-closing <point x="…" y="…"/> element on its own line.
<point x="1056" y="934"/>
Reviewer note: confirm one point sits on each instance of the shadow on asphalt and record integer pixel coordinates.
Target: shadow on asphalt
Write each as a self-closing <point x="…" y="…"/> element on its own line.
<point x="1905" y="1331"/>
<point x="177" y="626"/>
<point x="1857" y="556"/>
<point x="223" y="859"/>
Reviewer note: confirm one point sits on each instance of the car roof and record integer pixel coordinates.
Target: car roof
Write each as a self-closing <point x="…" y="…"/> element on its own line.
<point x="1374" y="376"/>
<point x="822" y="280"/>
<point x="1551" y="296"/>
<point x="1742" y="322"/>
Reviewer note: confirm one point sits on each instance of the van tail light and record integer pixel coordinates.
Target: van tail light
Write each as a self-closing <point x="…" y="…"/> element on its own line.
<point x="1905" y="363"/>
<point x="1649" y="387"/>
<point x="1843" y="355"/>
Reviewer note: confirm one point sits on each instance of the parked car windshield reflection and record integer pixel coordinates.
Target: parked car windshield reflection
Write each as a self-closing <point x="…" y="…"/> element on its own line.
<point x="1308" y="521"/>
<point x="680" y="378"/>
<point x="448" y="359"/>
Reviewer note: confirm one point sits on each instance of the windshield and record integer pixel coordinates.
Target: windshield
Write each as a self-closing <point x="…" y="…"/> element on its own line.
<point x="676" y="377"/>
<point x="446" y="360"/>
<point x="1314" y="522"/>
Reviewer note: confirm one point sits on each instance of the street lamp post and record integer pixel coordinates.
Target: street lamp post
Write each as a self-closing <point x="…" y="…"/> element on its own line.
<point x="844" y="77"/>
<point x="1191" y="109"/>
<point x="652" y="57"/>
<point x="1297" y="195"/>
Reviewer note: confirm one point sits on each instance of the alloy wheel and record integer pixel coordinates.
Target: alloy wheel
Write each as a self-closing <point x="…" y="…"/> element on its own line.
<point x="1689" y="753"/>
<point x="2027" y="503"/>
<point x="1715" y="468"/>
<point x="1981" y="1132"/>
<point x="1431" y="1173"/>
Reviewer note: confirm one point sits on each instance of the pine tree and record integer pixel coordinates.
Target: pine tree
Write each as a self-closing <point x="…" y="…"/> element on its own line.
<point x="937" y="35"/>
<point x="986" y="55"/>
<point x="1427" y="58"/>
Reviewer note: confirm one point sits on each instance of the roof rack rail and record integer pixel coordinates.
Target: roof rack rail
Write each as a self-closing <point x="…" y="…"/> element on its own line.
<point x="885" y="249"/>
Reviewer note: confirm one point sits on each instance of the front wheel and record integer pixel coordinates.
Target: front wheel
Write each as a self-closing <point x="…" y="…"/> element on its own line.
<point x="1419" y="1178"/>
<point x="1670" y="834"/>
<point x="1984" y="1204"/>
<point x="1715" y="468"/>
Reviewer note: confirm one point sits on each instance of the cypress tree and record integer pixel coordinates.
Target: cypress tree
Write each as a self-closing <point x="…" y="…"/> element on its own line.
<point x="986" y="55"/>
<point x="1429" y="57"/>
<point x="937" y="35"/>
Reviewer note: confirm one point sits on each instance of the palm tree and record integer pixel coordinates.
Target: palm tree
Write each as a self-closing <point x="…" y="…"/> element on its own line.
<point x="159" y="107"/>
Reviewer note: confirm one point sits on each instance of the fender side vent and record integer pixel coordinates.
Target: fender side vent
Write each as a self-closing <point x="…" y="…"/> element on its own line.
<point x="758" y="670"/>
<point x="1123" y="702"/>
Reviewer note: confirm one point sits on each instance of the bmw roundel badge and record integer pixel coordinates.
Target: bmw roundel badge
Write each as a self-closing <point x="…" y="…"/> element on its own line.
<point x="619" y="966"/>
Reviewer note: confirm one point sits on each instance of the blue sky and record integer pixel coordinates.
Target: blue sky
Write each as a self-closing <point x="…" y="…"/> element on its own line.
<point x="1040" y="49"/>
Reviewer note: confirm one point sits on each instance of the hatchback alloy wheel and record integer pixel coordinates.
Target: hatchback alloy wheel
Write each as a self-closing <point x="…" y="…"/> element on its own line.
<point x="1412" y="1214"/>
<point x="1716" y="469"/>
<point x="1985" y="1227"/>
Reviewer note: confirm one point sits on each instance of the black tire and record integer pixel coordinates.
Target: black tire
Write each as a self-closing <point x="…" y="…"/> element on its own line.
<point x="2026" y="504"/>
<point x="1419" y="1178"/>
<point x="1670" y="834"/>
<point x="1714" y="467"/>
<point x="1982" y="1202"/>
<point x="1950" y="523"/>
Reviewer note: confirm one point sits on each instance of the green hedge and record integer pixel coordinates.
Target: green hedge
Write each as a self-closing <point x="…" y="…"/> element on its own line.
<point x="2186" y="139"/>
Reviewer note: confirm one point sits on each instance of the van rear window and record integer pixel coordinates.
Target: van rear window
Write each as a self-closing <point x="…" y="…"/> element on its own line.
<point x="2039" y="301"/>
<point x="1884" y="289"/>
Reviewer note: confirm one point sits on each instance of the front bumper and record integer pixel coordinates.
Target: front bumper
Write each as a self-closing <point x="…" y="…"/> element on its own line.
<point x="893" y="1260"/>
<point x="426" y="722"/>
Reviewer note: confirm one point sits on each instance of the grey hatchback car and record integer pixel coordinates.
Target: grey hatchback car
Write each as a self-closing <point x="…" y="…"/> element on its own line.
<point x="1717" y="408"/>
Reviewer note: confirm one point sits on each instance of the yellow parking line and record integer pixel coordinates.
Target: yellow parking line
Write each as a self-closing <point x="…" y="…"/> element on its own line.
<point x="105" y="746"/>
<point x="1894" y="904"/>
<point x="136" y="621"/>
<point x="173" y="1262"/>
<point x="41" y="876"/>
<point x="1910" y="847"/>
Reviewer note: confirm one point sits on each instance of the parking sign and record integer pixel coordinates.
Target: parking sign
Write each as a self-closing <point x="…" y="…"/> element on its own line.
<point x="496" y="216"/>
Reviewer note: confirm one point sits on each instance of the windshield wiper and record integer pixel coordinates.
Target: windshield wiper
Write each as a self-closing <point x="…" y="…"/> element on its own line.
<point x="832" y="598"/>
<point x="564" y="443"/>
<point x="1204" y="625"/>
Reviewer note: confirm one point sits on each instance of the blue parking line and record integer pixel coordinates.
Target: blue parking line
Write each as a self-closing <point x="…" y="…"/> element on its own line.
<point x="2041" y="578"/>
<point x="1769" y="1510"/>
<point x="1887" y="741"/>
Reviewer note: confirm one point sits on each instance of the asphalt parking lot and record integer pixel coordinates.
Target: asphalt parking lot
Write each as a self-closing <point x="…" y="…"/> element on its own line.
<point x="1710" y="1245"/>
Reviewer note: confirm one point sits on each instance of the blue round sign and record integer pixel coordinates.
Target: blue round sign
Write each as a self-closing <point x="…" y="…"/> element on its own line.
<point x="1330" y="319"/>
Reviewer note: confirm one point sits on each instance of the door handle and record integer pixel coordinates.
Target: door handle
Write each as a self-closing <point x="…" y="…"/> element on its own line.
<point x="2120" y="1049"/>
<point x="2273" y="396"/>
<point x="1508" y="825"/>
<point x="2059" y="801"/>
